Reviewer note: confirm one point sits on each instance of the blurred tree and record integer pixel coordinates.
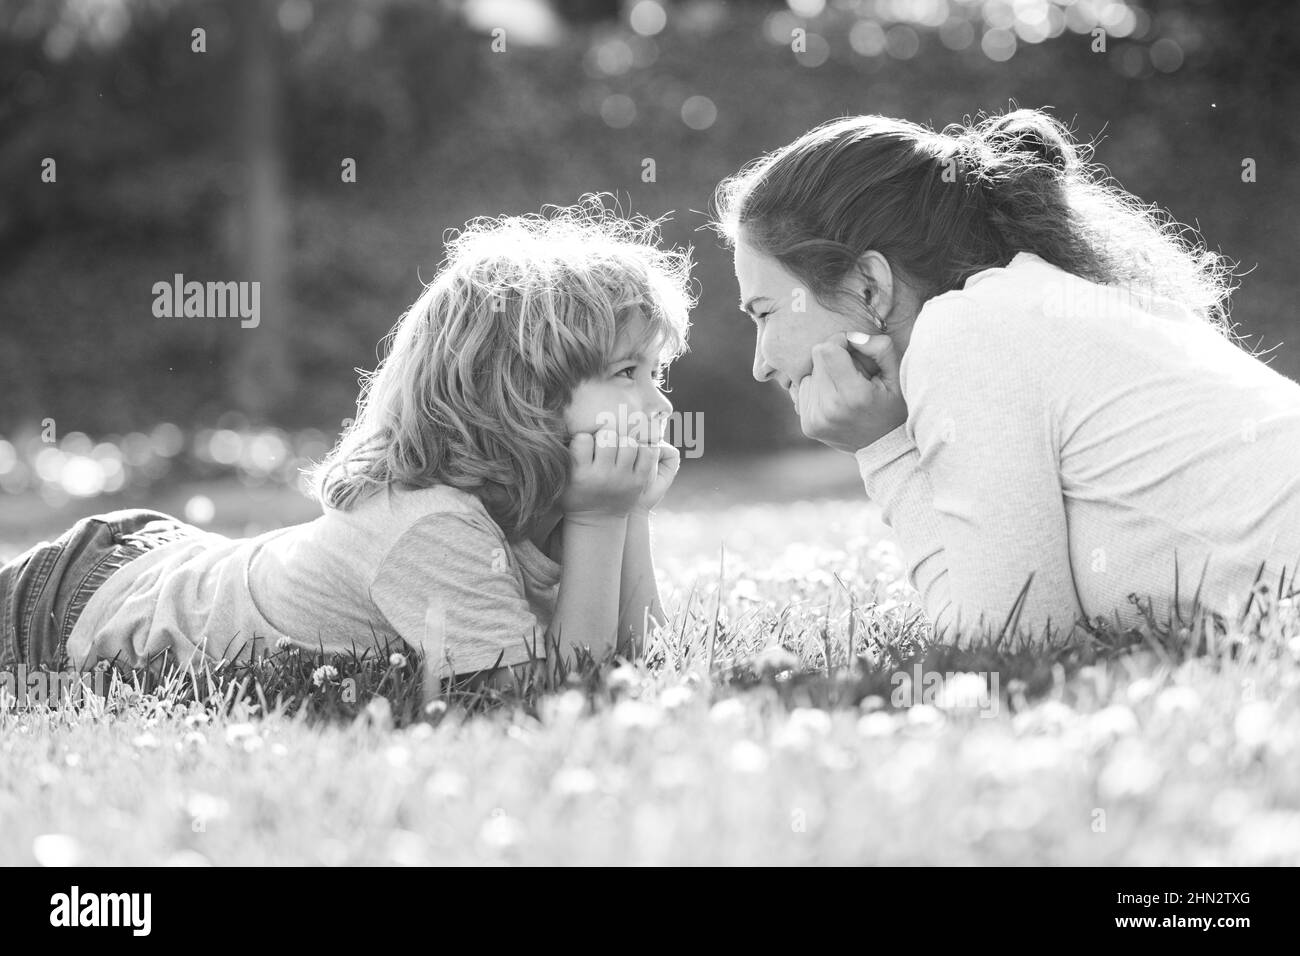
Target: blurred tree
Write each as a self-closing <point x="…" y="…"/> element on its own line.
<point x="588" y="11"/>
<point x="262" y="375"/>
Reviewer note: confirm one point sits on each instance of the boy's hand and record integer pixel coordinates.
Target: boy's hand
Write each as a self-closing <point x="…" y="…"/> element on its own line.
<point x="607" y="474"/>
<point x="666" y="461"/>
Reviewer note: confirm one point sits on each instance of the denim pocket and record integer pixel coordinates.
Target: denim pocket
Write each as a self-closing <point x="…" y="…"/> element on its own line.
<point x="35" y="597"/>
<point x="129" y="521"/>
<point x="90" y="583"/>
<point x="12" y="630"/>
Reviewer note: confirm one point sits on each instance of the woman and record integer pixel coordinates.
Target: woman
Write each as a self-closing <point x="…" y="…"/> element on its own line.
<point x="1057" y="414"/>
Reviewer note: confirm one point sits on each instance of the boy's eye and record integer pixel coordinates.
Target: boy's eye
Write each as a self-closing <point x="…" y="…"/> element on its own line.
<point x="630" y="368"/>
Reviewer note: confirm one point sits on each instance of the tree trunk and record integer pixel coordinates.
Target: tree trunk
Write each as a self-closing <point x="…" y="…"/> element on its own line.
<point x="261" y="373"/>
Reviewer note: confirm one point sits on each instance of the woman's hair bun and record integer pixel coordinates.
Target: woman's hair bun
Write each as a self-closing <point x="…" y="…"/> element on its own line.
<point x="1032" y="132"/>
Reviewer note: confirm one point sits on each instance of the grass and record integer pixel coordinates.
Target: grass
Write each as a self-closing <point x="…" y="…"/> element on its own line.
<point x="765" y="725"/>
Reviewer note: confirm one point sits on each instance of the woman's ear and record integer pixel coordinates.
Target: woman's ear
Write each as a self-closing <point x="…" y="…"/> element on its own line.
<point x="876" y="284"/>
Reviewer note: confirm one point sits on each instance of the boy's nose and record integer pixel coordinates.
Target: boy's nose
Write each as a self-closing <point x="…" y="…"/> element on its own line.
<point x="662" y="407"/>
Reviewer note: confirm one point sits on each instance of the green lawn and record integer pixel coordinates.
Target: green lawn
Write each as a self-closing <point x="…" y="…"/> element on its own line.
<point x="721" y="749"/>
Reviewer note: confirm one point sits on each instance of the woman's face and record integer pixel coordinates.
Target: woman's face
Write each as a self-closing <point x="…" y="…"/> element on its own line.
<point x="790" y="321"/>
<point x="625" y="395"/>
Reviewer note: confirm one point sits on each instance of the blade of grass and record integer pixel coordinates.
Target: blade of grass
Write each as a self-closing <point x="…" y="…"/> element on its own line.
<point x="717" y="610"/>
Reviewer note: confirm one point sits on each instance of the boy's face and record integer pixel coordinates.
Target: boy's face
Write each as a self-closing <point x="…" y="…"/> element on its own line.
<point x="624" y="396"/>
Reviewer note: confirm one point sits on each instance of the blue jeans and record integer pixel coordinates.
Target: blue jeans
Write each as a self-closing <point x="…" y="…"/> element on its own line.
<point x="44" y="590"/>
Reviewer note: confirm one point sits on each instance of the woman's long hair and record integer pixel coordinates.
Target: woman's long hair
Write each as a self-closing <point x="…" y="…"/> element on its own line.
<point x="479" y="370"/>
<point x="941" y="207"/>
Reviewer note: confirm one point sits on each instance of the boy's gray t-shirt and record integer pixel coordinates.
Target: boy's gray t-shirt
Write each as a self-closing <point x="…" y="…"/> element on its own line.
<point x="428" y="567"/>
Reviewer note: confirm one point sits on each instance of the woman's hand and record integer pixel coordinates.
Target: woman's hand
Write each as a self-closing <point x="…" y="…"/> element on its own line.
<point x="666" y="462"/>
<point x="842" y="407"/>
<point x="608" y="473"/>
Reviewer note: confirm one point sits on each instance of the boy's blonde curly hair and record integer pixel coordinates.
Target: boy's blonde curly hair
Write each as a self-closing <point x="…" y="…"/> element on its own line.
<point x="479" y="370"/>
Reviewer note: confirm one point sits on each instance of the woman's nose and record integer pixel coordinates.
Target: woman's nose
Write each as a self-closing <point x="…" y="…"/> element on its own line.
<point x="762" y="371"/>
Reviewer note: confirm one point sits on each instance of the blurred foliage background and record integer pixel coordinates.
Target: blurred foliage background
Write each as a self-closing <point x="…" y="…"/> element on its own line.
<point x="225" y="165"/>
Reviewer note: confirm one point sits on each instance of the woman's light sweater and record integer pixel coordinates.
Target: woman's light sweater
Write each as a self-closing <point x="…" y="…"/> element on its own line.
<point x="1085" y="436"/>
